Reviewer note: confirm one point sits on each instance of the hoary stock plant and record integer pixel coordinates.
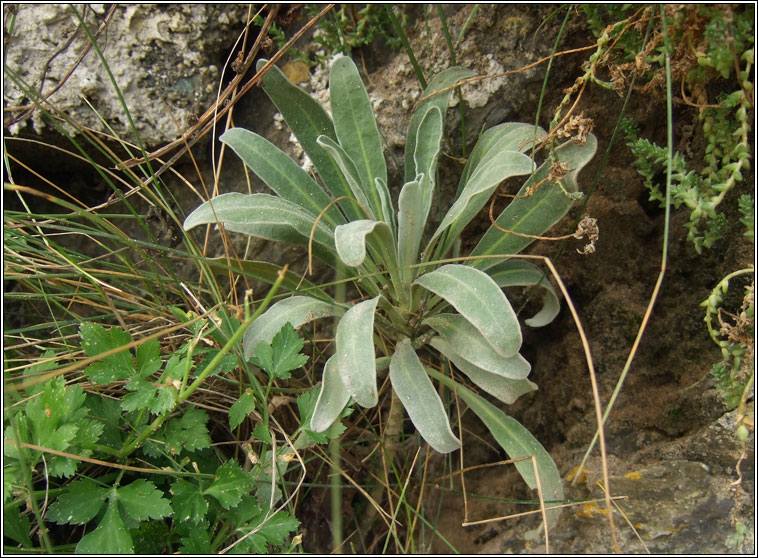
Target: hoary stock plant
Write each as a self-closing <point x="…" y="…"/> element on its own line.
<point x="417" y="306"/>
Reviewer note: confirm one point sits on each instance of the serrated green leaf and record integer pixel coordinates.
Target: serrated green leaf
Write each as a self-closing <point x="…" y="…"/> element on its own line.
<point x="285" y="177"/>
<point x="480" y="301"/>
<point x="297" y="310"/>
<point x="332" y="399"/>
<point x="517" y="442"/>
<point x="230" y="484"/>
<point x="468" y="342"/>
<point x="188" y="502"/>
<point x="148" y="358"/>
<point x="142" y="393"/>
<point x="241" y="408"/>
<point x="198" y="542"/>
<point x="265" y="216"/>
<point x="110" y="536"/>
<point x="164" y="400"/>
<point x="142" y="500"/>
<point x="16" y="526"/>
<point x="41" y="368"/>
<point x="355" y="361"/>
<point x="187" y="432"/>
<point x="278" y="527"/>
<point x="283" y="354"/>
<point x="356" y="129"/>
<point x="536" y="213"/>
<point x="512" y="273"/>
<point x="503" y="388"/>
<point x="96" y="340"/>
<point x="415" y="390"/>
<point x="80" y="503"/>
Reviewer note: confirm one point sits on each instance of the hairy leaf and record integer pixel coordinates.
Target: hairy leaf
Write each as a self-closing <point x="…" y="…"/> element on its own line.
<point x="265" y="216"/>
<point x="517" y="442"/>
<point x="505" y="389"/>
<point x="440" y="97"/>
<point x="280" y="173"/>
<point x="308" y="120"/>
<point x="511" y="273"/>
<point x="536" y="213"/>
<point x="478" y="299"/>
<point x="410" y="227"/>
<point x="352" y="239"/>
<point x="478" y="191"/>
<point x="355" y="352"/>
<point x="332" y="398"/>
<point x="356" y="128"/>
<point x="415" y="390"/>
<point x="469" y="344"/>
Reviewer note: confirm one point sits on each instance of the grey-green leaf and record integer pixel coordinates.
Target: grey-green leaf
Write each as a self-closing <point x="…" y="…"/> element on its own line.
<point x="281" y="173"/>
<point x="308" y="120"/>
<point x="509" y="136"/>
<point x="332" y="398"/>
<point x="297" y="310"/>
<point x="468" y="342"/>
<point x="351" y="240"/>
<point x="513" y="273"/>
<point x="356" y="128"/>
<point x="349" y="170"/>
<point x="499" y="386"/>
<point x="265" y="216"/>
<point x="426" y="150"/>
<point x="440" y="82"/>
<point x="410" y="226"/>
<point x="536" y="213"/>
<point x="478" y="299"/>
<point x="415" y="390"/>
<point x="356" y="364"/>
<point x="517" y="442"/>
<point x="478" y="190"/>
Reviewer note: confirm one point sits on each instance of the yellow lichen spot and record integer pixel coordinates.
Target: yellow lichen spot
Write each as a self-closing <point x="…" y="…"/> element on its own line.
<point x="572" y="473"/>
<point x="634" y="475"/>
<point x="296" y="72"/>
<point x="590" y="510"/>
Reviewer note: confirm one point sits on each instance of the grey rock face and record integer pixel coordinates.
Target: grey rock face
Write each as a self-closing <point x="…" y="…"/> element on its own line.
<point x="166" y="60"/>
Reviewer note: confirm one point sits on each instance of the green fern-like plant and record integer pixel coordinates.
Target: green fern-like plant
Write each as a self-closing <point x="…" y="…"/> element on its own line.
<point x="417" y="305"/>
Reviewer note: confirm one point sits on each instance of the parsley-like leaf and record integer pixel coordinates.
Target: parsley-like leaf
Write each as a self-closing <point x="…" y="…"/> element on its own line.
<point x="142" y="500"/>
<point x="230" y="485"/>
<point x="79" y="503"/>
<point x="96" y="340"/>
<point x="283" y="354"/>
<point x="241" y="408"/>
